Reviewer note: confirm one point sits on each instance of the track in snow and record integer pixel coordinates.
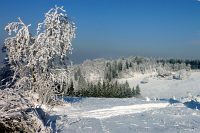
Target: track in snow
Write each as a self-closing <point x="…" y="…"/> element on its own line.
<point x="119" y="110"/>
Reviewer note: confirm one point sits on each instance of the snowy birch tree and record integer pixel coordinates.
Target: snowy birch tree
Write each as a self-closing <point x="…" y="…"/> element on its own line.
<point x="40" y="62"/>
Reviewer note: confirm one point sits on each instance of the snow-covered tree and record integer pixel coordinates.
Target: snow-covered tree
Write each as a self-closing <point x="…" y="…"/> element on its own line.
<point x="137" y="90"/>
<point x="40" y="62"/>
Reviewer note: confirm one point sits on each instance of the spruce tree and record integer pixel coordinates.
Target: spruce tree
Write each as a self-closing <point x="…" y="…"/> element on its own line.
<point x="130" y="64"/>
<point x="120" y="66"/>
<point x="133" y="92"/>
<point x="99" y="89"/>
<point x="127" y="64"/>
<point x="70" y="91"/>
<point x="137" y="90"/>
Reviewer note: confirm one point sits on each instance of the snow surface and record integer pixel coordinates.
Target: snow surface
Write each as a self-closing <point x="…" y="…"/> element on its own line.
<point x="165" y="88"/>
<point x="119" y="110"/>
<point x="128" y="115"/>
<point x="167" y="113"/>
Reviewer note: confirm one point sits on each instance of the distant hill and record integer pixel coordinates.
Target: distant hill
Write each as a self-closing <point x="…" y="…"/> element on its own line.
<point x="104" y="69"/>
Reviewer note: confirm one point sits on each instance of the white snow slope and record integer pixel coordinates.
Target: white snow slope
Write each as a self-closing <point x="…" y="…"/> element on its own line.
<point x="128" y="115"/>
<point x="164" y="88"/>
<point x="131" y="115"/>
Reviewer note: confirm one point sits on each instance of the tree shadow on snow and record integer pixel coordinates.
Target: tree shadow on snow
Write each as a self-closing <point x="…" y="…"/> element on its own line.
<point x="171" y="100"/>
<point x="73" y="99"/>
<point x="192" y="104"/>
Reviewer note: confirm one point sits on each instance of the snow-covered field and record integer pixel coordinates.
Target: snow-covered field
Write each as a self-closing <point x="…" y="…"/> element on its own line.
<point x="128" y="115"/>
<point x="134" y="115"/>
<point x="165" y="88"/>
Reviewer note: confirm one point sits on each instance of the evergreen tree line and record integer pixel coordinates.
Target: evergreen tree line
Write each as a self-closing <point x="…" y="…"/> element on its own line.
<point x="194" y="64"/>
<point x="105" y="89"/>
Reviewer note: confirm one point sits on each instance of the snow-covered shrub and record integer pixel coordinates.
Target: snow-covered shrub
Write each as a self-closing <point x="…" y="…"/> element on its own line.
<point x="181" y="74"/>
<point x="40" y="62"/>
<point x="147" y="99"/>
<point x="163" y="72"/>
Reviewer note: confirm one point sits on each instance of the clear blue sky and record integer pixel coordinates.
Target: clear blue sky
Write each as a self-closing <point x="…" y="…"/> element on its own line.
<point x="113" y="28"/>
